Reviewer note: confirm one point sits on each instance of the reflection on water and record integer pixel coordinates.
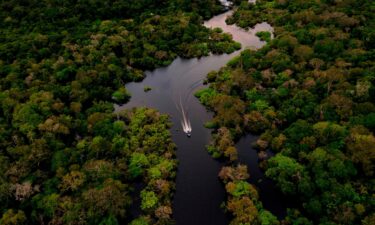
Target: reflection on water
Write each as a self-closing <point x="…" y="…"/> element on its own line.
<point x="248" y="39"/>
<point x="199" y="192"/>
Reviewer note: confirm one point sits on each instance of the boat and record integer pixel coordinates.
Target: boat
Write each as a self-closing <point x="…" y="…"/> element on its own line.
<point x="185" y="122"/>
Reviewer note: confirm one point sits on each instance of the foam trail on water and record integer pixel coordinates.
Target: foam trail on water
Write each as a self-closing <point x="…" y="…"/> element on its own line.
<point x="185" y="122"/>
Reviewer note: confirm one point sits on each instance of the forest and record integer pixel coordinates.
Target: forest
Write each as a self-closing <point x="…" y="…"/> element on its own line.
<point x="309" y="94"/>
<point x="66" y="157"/>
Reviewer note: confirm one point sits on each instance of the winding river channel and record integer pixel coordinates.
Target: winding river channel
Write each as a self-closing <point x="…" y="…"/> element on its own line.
<point x="199" y="192"/>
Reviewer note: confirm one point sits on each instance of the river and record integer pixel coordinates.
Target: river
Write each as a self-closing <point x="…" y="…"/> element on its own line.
<point x="199" y="192"/>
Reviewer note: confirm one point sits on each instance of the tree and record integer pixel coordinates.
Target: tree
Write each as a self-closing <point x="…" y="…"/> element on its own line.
<point x="72" y="181"/>
<point x="47" y="204"/>
<point x="362" y="151"/>
<point x="243" y="209"/>
<point x="234" y="173"/>
<point x="149" y="200"/>
<point x="163" y="212"/>
<point x="137" y="162"/>
<point x="327" y="132"/>
<point x="267" y="218"/>
<point x="241" y="188"/>
<point x="298" y="130"/>
<point x="286" y="172"/>
<point x="10" y="217"/>
<point x="111" y="220"/>
<point x="110" y="199"/>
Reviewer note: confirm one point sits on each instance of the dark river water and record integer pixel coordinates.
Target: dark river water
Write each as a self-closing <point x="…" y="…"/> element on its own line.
<point x="199" y="192"/>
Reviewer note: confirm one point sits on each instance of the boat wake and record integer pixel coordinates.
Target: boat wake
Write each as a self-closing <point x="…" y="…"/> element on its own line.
<point x="185" y="122"/>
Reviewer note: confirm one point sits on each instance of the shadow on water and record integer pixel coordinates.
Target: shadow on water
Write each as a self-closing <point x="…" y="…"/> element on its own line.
<point x="272" y="199"/>
<point x="199" y="192"/>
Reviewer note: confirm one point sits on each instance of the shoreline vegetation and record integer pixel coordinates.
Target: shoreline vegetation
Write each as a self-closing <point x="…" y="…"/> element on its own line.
<point x="65" y="157"/>
<point x="310" y="95"/>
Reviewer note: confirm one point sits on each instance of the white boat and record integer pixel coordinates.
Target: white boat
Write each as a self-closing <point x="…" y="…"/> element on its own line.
<point x="226" y="3"/>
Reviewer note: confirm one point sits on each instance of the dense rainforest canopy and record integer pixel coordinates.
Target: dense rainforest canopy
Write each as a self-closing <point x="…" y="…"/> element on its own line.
<point x="65" y="157"/>
<point x="310" y="94"/>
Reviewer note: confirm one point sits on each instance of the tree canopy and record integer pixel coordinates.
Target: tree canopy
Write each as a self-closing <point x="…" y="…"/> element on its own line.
<point x="309" y="93"/>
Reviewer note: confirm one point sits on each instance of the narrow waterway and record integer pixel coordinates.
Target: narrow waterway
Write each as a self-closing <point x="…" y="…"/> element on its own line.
<point x="199" y="192"/>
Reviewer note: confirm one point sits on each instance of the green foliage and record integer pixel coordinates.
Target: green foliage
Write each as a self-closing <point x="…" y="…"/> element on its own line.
<point x="147" y="89"/>
<point x="140" y="221"/>
<point x="111" y="220"/>
<point x="48" y="204"/>
<point x="307" y="93"/>
<point x="328" y="132"/>
<point x="119" y="126"/>
<point x="215" y="153"/>
<point x="205" y="95"/>
<point x="137" y="162"/>
<point x="87" y="178"/>
<point x="231" y="63"/>
<point x="264" y="35"/>
<point x="283" y="169"/>
<point x="243" y="198"/>
<point x="66" y="159"/>
<point x="253" y="95"/>
<point x="259" y="105"/>
<point x="267" y="218"/>
<point x="121" y="95"/>
<point x="210" y="125"/>
<point x="298" y="130"/>
<point x="149" y="199"/>
<point x="240" y="188"/>
<point x="10" y="217"/>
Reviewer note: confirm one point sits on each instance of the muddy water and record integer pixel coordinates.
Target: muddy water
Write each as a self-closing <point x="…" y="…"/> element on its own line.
<point x="199" y="192"/>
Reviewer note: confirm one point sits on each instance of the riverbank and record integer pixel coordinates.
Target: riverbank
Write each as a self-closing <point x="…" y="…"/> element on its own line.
<point x="199" y="192"/>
